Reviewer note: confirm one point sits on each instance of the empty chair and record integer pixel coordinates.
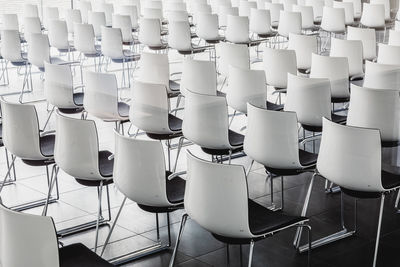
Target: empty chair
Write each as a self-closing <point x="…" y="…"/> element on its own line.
<point x="124" y="23"/>
<point x="373" y="16"/>
<point x="260" y="23"/>
<point x="224" y="12"/>
<point x="289" y="22"/>
<point x="150" y="34"/>
<point x="318" y="7"/>
<point x="394" y="37"/>
<point x="30" y="10"/>
<point x="50" y="13"/>
<point x="237" y="55"/>
<point x="58" y="36"/>
<point x="199" y="9"/>
<point x="31" y="25"/>
<point x="333" y="20"/>
<point x="275" y="11"/>
<point x="245" y="7"/>
<point x="198" y="76"/>
<point x="389" y="54"/>
<point x="381" y="76"/>
<point x="214" y="214"/>
<point x="207" y="28"/>
<point x="10" y="22"/>
<point x="368" y="39"/>
<point x="154" y="13"/>
<point x="97" y="19"/>
<point x="385" y="115"/>
<point x="180" y="39"/>
<point x="353" y="50"/>
<point x="386" y="4"/>
<point x="133" y="12"/>
<point x="108" y="9"/>
<point x="307" y="17"/>
<point x="72" y="16"/>
<point x="356" y="8"/>
<point x="336" y="69"/>
<point x="84" y="42"/>
<point x="304" y="46"/>
<point x="84" y="6"/>
<point x="176" y="15"/>
<point x="348" y="11"/>
<point x="237" y="30"/>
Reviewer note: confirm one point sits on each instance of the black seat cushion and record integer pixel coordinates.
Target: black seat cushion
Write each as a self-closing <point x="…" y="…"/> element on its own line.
<point x="340" y="99"/>
<point x="335" y="118"/>
<point x="174" y="86"/>
<point x="307" y="159"/>
<point x="47" y="143"/>
<point x="79" y="255"/>
<point x="106" y="166"/>
<point x="338" y="118"/>
<point x="273" y="106"/>
<point x="175" y="124"/>
<point x="235" y="139"/>
<point x="78" y="100"/>
<point x="123" y="109"/>
<point x="267" y="35"/>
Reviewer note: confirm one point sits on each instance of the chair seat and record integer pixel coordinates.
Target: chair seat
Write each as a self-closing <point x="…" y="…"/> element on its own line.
<point x="317" y="128"/>
<point x="174" y="86"/>
<point x="79" y="255"/>
<point x="340" y="99"/>
<point x="273" y="106"/>
<point x="106" y="166"/>
<point x="175" y="125"/>
<point x="47" y="143"/>
<point x="267" y="35"/>
<point x="158" y="47"/>
<point x="307" y="160"/>
<point x="78" y="99"/>
<point x="215" y="41"/>
<point x="195" y="50"/>
<point x="129" y="56"/>
<point x="235" y="139"/>
<point x="123" y="109"/>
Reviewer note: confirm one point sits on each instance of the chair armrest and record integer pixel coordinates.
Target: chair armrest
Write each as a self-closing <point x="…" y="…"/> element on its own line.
<point x="176" y="174"/>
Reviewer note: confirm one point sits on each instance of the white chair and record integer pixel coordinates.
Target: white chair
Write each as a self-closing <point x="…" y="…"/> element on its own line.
<point x="133" y="12"/>
<point x="36" y="236"/>
<point x="237" y="30"/>
<point x="50" y="13"/>
<point x="386" y="4"/>
<point x="226" y="185"/>
<point x="175" y="15"/>
<point x="307" y="17"/>
<point x="289" y="22"/>
<point x="84" y="43"/>
<point x="394" y="37"/>
<point x="97" y="19"/>
<point x="353" y="50"/>
<point x="58" y="37"/>
<point x="389" y="54"/>
<point x="381" y="76"/>
<point x="207" y="28"/>
<point x="30" y="10"/>
<point x="84" y="6"/>
<point x="336" y="69"/>
<point x="154" y="13"/>
<point x="348" y="11"/>
<point x="385" y="116"/>
<point x="373" y="16"/>
<point x="124" y="23"/>
<point x="224" y="12"/>
<point x="245" y="7"/>
<point x="10" y="22"/>
<point x="73" y="16"/>
<point x="32" y="25"/>
<point x="357" y="8"/>
<point x="108" y="9"/>
<point x="275" y="10"/>
<point x="318" y="7"/>
<point x="199" y="9"/>
<point x="150" y="34"/>
<point x="260" y="23"/>
<point x="304" y="46"/>
<point x="368" y="39"/>
<point x="333" y="20"/>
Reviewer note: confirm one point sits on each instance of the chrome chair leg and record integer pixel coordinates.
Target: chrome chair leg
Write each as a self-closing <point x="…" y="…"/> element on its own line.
<point x="251" y="253"/>
<point x="180" y="144"/>
<point x="52" y="181"/>
<point x="98" y="216"/>
<point x="378" y="234"/>
<point x="178" y="239"/>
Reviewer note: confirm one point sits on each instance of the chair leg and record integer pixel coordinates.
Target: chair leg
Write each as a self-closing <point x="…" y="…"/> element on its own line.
<point x="251" y="253"/>
<point x="180" y="144"/>
<point x="98" y="216"/>
<point x="378" y="234"/>
<point x="178" y="239"/>
<point x="53" y="178"/>
<point x="8" y="173"/>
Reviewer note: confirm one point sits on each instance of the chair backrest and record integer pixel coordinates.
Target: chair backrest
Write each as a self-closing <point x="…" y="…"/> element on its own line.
<point x="108" y="9"/>
<point x="336" y="69"/>
<point x="76" y="149"/>
<point x="10" y="22"/>
<point x="175" y="6"/>
<point x="198" y="76"/>
<point x="394" y="37"/>
<point x="356" y="7"/>
<point x="205" y="120"/>
<point x="381" y="76"/>
<point x="260" y="21"/>
<point x="277" y="64"/>
<point x="245" y="7"/>
<point x="223" y="13"/>
<point x="385" y="114"/>
<point x="27" y="240"/>
<point x="154" y="68"/>
<point x="237" y="55"/>
<point x="124" y="23"/>
<point x="177" y="15"/>
<point x="21" y="130"/>
<point x="133" y="12"/>
<point x="389" y="54"/>
<point x="30" y="10"/>
<point x="154" y="4"/>
<point x="58" y="85"/>
<point x="58" y="34"/>
<point x="144" y="158"/>
<point x="353" y="50"/>
<point x="39" y="50"/>
<point x="351" y="157"/>
<point x="318" y="8"/>
<point x="289" y="22"/>
<point x="272" y="138"/>
<point x="101" y="95"/>
<point x="237" y="29"/>
<point x="304" y="46"/>
<point x="368" y="39"/>
<point x="150" y="32"/>
<point x="31" y="25"/>
<point x="373" y="16"/>
<point x="307" y="15"/>
<point x="310" y="98"/>
<point x="84" y="38"/>
<point x="199" y="9"/>
<point x="333" y="19"/>
<point x="211" y="189"/>
<point x="150" y="108"/>
<point x="246" y="86"/>
<point x="386" y="4"/>
<point x="153" y="13"/>
<point x="180" y="36"/>
<point x="348" y="11"/>
<point x="275" y="11"/>
<point x="84" y="6"/>
<point x="207" y="26"/>
<point x="50" y="13"/>
<point x="73" y="16"/>
<point x="11" y="45"/>
<point x="111" y="43"/>
<point x="97" y="19"/>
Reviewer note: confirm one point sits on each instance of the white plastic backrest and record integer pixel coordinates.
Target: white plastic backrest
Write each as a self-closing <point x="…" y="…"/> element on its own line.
<point x="199" y="9"/>
<point x="353" y="50"/>
<point x="101" y="98"/>
<point x="336" y="69"/>
<point x="97" y="19"/>
<point x="348" y="11"/>
<point x="211" y="192"/>
<point x="145" y="159"/>
<point x="275" y="11"/>
<point x="180" y="36"/>
<point x="288" y="4"/>
<point x="39" y="50"/>
<point x="132" y="11"/>
<point x="207" y="26"/>
<point x="153" y="4"/>
<point x="381" y="76"/>
<point x="318" y="7"/>
<point x="236" y="55"/>
<point x="124" y="23"/>
<point x="307" y="15"/>
<point x="198" y="76"/>
<point x="304" y="46"/>
<point x="108" y="9"/>
<point x="84" y="38"/>
<point x="153" y="13"/>
<point x="356" y="7"/>
<point x="245" y="6"/>
<point x="389" y="54"/>
<point x="289" y="22"/>
<point x="73" y="16"/>
<point x="111" y="43"/>
<point x="177" y="15"/>
<point x="237" y="29"/>
<point x="384" y="115"/>
<point x="333" y="19"/>
<point x="373" y="16"/>
<point x="21" y="232"/>
<point x="246" y="86"/>
<point x="10" y="22"/>
<point x="368" y="39"/>
<point x="30" y="10"/>
<point x="58" y="34"/>
<point x="277" y="64"/>
<point x="224" y="12"/>
<point x="394" y="37"/>
<point x="21" y="130"/>
<point x="261" y="4"/>
<point x="205" y="120"/>
<point x="31" y="25"/>
<point x="150" y="32"/>
<point x="397" y="25"/>
<point x="272" y="138"/>
<point x="76" y="150"/>
<point x="150" y="107"/>
<point x="50" y="13"/>
<point x="11" y="45"/>
<point x="310" y="98"/>
<point x="84" y="6"/>
<point x="58" y="85"/>
<point x="154" y="68"/>
<point x="351" y="157"/>
<point x="260" y="21"/>
<point x="386" y="4"/>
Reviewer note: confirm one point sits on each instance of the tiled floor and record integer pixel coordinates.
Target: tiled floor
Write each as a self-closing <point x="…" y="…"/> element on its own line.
<point x="136" y="228"/>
